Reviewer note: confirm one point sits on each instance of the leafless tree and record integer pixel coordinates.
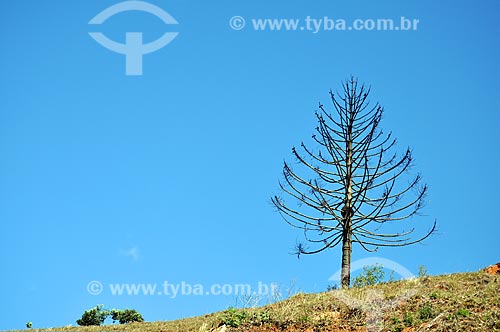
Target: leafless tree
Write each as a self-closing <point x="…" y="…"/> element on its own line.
<point x="351" y="184"/>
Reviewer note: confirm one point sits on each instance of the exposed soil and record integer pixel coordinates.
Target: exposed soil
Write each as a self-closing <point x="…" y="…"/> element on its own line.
<point x="494" y="269"/>
<point x="303" y="328"/>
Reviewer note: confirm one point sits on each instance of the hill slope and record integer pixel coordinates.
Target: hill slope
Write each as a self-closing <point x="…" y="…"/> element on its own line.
<point x="459" y="302"/>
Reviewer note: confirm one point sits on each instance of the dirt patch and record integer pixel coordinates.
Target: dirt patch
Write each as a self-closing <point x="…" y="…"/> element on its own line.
<point x="300" y="328"/>
<point x="494" y="269"/>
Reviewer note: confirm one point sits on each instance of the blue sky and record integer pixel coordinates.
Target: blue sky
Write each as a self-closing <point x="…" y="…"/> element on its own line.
<point x="168" y="176"/>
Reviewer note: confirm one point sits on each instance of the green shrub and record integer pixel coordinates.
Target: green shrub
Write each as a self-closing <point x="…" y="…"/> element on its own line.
<point x="408" y="319"/>
<point x="371" y="275"/>
<point x="463" y="312"/>
<point x="126" y="316"/>
<point x="426" y="312"/>
<point x="97" y="316"/>
<point x="94" y="316"/>
<point x="234" y="317"/>
<point x="260" y="317"/>
<point x="395" y="320"/>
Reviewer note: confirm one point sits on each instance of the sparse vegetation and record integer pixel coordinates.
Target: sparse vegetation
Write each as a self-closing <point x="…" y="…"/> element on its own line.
<point x="458" y="302"/>
<point x="408" y="319"/>
<point x="126" y="316"/>
<point x="434" y="296"/>
<point x="96" y="316"/>
<point x="370" y="276"/>
<point x="426" y="312"/>
<point x="234" y="317"/>
<point x="463" y="312"/>
<point x="422" y="271"/>
<point x="332" y="287"/>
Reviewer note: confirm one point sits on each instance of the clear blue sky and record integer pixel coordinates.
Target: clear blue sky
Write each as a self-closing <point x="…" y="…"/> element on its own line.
<point x="168" y="176"/>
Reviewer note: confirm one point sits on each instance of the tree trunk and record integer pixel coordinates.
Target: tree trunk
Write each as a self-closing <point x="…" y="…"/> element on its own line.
<point x="345" y="277"/>
<point x="347" y="213"/>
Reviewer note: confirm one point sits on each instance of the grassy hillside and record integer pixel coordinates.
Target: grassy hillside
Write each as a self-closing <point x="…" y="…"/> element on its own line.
<point x="459" y="302"/>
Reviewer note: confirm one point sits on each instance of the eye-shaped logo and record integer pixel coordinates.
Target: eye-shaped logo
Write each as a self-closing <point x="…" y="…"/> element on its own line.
<point x="372" y="301"/>
<point x="133" y="49"/>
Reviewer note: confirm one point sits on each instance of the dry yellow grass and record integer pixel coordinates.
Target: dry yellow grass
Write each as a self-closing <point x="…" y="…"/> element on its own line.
<point x="468" y="302"/>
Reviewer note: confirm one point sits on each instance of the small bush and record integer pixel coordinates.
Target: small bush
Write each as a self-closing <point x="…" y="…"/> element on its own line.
<point x="97" y="316"/>
<point x="126" y="316"/>
<point x="371" y="275"/>
<point x="261" y="317"/>
<point x="234" y="317"/>
<point x="426" y="312"/>
<point x="94" y="316"/>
